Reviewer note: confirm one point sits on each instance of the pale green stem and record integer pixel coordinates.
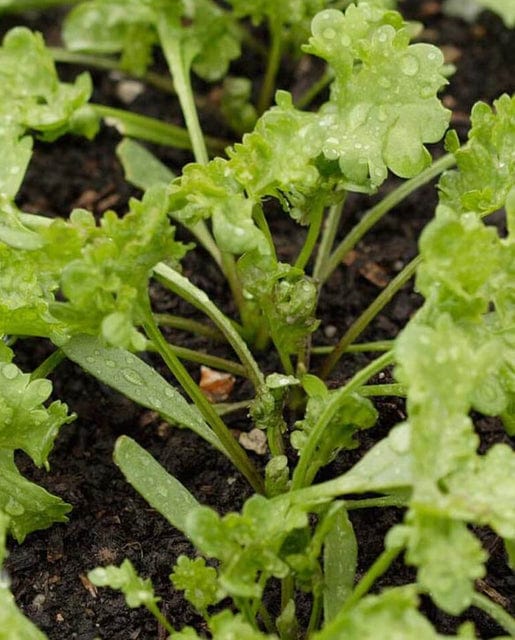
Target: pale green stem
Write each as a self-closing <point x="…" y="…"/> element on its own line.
<point x="317" y="87"/>
<point x="156" y="612"/>
<point x="368" y="315"/>
<point x="371" y="390"/>
<point x="234" y="451"/>
<point x="109" y="64"/>
<point x="187" y="324"/>
<point x="262" y="223"/>
<point x="174" y="55"/>
<point x="304" y="471"/>
<point x="373" y="215"/>
<point x="195" y="296"/>
<point x="206" y="359"/>
<point x="311" y="238"/>
<point x="495" y="611"/>
<point x="274" y="60"/>
<point x="379" y="567"/>
<point x="135" y="125"/>
<point x="331" y="225"/>
<point x="48" y="365"/>
<point x="379" y="345"/>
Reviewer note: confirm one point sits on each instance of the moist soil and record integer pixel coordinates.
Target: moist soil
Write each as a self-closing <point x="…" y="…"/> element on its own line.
<point x="109" y="520"/>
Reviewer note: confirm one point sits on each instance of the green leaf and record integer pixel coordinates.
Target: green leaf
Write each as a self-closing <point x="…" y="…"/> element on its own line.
<point x="486" y="164"/>
<point x="142" y="168"/>
<point x="25" y="423"/>
<point x="485" y="493"/>
<point x="448" y="556"/>
<point x="16" y="154"/>
<point x="383" y="105"/>
<point x="30" y="507"/>
<point x="106" y="286"/>
<point x="124" y="578"/>
<point x="13" y="624"/>
<point x="340" y="563"/>
<point x="505" y="8"/>
<point x="392" y="614"/>
<point x="198" y="581"/>
<point x="248" y="545"/>
<point x="354" y="414"/>
<point x="160" y="489"/>
<point x="33" y="98"/>
<point x="286" y="297"/>
<point x="129" y="375"/>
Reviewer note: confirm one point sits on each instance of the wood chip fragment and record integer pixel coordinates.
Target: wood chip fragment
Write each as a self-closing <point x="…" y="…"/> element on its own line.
<point x="88" y="585"/>
<point x="254" y="440"/>
<point x="369" y="269"/>
<point x="216" y="385"/>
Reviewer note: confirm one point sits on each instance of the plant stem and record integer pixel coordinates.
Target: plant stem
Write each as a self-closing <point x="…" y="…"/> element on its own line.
<point x="229" y="269"/>
<point x="495" y="611"/>
<point x="156" y="612"/>
<point x="316" y="614"/>
<point x="379" y="345"/>
<point x="328" y="235"/>
<point x="394" y="500"/>
<point x="195" y="296"/>
<point x="109" y="64"/>
<point x="274" y="60"/>
<point x="311" y="238"/>
<point x="48" y="365"/>
<point x="236" y="454"/>
<point x="379" y="567"/>
<point x="179" y="68"/>
<point x="373" y="215"/>
<point x="206" y="359"/>
<point x="305" y="470"/>
<point x="398" y="390"/>
<point x="187" y="324"/>
<point x="317" y="87"/>
<point x="362" y="322"/>
<point x="135" y="125"/>
<point x="262" y="223"/>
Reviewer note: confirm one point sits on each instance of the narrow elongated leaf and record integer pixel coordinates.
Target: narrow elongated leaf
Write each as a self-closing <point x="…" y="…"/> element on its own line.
<point x="142" y="168"/>
<point x="129" y="375"/>
<point x="160" y="489"/>
<point x="340" y="561"/>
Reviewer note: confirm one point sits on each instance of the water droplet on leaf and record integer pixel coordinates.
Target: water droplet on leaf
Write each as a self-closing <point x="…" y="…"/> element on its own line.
<point x="132" y="376"/>
<point x="10" y="371"/>
<point x="409" y="66"/>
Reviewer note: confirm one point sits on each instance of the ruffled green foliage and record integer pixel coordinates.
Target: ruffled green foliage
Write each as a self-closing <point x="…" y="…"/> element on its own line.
<point x="486" y="164"/>
<point x="198" y="581"/>
<point x="393" y="613"/>
<point x="137" y="591"/>
<point x="208" y="34"/>
<point x="353" y="414"/>
<point x="249" y="545"/>
<point x="33" y="98"/>
<point x="225" y="626"/>
<point x="383" y="105"/>
<point x="27" y="424"/>
<point x="101" y="271"/>
<point x="284" y="294"/>
<point x="13" y="624"/>
<point x="458" y="354"/>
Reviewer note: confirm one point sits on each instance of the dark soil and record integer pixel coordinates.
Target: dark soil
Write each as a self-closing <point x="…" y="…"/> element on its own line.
<point x="109" y="521"/>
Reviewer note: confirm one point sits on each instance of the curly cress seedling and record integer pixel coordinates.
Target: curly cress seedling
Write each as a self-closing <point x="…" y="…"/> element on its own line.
<point x="84" y="284"/>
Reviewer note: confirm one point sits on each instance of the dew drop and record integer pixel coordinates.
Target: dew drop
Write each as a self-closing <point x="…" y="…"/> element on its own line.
<point x="14" y="508"/>
<point x="110" y="363"/>
<point x="409" y="66"/>
<point x="345" y="40"/>
<point x="10" y="371"/>
<point x="329" y="34"/>
<point x="132" y="376"/>
<point x="169" y="393"/>
<point x="426" y="91"/>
